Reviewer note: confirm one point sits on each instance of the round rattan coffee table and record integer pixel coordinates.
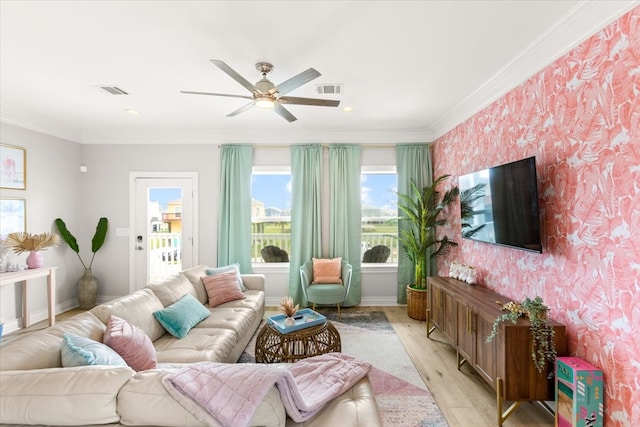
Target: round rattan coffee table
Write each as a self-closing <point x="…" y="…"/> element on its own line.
<point x="272" y="346"/>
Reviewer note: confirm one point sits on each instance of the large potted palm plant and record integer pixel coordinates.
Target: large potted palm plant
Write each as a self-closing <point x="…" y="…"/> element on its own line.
<point x="423" y="210"/>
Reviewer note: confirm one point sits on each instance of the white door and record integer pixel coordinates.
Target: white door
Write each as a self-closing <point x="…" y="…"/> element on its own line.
<point x="163" y="221"/>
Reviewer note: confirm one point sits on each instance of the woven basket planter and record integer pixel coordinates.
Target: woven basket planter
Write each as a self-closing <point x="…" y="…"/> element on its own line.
<point x="417" y="303"/>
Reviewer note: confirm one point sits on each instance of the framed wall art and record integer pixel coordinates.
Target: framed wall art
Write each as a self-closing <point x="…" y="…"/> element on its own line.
<point x="13" y="216"/>
<point x="13" y="161"/>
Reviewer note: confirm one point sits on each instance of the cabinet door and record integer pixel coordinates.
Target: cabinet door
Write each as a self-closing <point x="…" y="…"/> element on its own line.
<point x="449" y="319"/>
<point x="485" y="353"/>
<point x="465" y="337"/>
<point x="433" y="303"/>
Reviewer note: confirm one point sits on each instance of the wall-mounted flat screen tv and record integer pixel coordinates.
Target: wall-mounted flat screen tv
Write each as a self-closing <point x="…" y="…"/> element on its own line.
<point x="499" y="205"/>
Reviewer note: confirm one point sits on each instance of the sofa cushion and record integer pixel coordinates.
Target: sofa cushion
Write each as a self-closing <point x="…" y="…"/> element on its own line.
<point x="232" y="267"/>
<point x="195" y="275"/>
<point x="145" y="390"/>
<point x="137" y="308"/>
<point x="49" y="396"/>
<point x="222" y="287"/>
<point x="181" y="316"/>
<point x="200" y="345"/>
<point x="41" y="349"/>
<point x="81" y="351"/>
<point x="131" y="343"/>
<point x="173" y="289"/>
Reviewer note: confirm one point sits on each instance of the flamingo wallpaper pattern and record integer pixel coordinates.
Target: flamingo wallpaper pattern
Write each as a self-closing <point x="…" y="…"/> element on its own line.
<point x="580" y="117"/>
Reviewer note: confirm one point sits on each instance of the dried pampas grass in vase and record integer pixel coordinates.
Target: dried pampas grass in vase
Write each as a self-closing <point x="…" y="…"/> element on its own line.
<point x="289" y="310"/>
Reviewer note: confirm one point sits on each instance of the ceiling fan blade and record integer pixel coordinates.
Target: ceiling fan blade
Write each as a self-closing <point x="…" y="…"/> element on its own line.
<point x="295" y="81"/>
<point x="284" y="112"/>
<point x="308" y="101"/>
<point x="215" y="94"/>
<point x="240" y="110"/>
<point x="237" y="77"/>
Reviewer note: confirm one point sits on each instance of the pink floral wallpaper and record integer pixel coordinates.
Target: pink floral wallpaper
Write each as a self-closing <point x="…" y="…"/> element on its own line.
<point x="580" y="117"/>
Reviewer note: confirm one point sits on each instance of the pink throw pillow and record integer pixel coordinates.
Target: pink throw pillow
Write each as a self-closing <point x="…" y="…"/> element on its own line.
<point x="131" y="343"/>
<point x="222" y="288"/>
<point x="323" y="267"/>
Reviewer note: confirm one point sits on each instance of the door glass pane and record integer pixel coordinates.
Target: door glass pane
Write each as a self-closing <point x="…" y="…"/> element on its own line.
<point x="164" y="212"/>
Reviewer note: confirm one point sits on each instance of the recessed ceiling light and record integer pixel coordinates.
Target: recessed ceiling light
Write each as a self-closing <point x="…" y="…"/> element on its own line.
<point x="348" y="109"/>
<point x="132" y="112"/>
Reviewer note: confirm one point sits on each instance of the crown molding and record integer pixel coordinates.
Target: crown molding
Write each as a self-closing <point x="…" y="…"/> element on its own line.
<point x="584" y="20"/>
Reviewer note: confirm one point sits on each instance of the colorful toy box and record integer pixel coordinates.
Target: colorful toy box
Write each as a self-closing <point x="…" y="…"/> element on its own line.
<point x="579" y="393"/>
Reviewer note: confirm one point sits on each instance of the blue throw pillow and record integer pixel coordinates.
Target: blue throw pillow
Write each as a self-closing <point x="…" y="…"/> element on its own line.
<point x="82" y="351"/>
<point x="232" y="267"/>
<point x="179" y="317"/>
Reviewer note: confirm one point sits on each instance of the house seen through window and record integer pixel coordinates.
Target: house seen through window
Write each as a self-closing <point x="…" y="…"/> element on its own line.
<point x="378" y="213"/>
<point x="271" y="217"/>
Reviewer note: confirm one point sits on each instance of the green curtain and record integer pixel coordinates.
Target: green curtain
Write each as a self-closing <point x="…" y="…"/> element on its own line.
<point x="234" y="217"/>
<point x="344" y="218"/>
<point x="413" y="164"/>
<point x="306" y="213"/>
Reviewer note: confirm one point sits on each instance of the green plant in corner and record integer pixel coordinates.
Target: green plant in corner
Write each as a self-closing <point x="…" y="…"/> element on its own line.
<point x="423" y="210"/>
<point x="543" y="348"/>
<point x="96" y="242"/>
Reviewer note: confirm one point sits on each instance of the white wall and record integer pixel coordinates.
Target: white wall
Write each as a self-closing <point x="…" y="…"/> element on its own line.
<point x="56" y="188"/>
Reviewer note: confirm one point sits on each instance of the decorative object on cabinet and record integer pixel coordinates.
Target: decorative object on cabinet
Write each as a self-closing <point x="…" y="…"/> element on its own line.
<point x="32" y="243"/>
<point x="87" y="284"/>
<point x="465" y="316"/>
<point x="13" y="216"/>
<point x="463" y="272"/>
<point x="543" y="349"/>
<point x="13" y="161"/>
<point x="423" y="209"/>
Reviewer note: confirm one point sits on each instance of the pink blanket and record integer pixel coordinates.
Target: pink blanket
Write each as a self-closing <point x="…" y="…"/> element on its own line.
<point x="229" y="394"/>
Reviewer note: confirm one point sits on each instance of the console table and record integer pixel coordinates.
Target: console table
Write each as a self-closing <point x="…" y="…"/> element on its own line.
<point x="24" y="276"/>
<point x="464" y="314"/>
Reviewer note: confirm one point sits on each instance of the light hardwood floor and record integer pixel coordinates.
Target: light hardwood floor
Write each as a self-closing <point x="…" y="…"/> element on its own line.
<point x="464" y="398"/>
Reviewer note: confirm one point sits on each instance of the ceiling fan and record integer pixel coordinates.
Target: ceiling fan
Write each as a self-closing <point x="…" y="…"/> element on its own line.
<point x="265" y="94"/>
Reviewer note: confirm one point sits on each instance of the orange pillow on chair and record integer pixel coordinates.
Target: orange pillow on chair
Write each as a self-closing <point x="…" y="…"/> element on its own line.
<point x="327" y="270"/>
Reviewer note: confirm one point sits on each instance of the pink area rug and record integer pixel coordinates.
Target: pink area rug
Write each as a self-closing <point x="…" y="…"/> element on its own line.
<point x="403" y="398"/>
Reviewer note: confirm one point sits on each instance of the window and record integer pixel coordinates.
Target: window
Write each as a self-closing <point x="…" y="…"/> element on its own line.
<point x="270" y="213"/>
<point x="379" y="213"/>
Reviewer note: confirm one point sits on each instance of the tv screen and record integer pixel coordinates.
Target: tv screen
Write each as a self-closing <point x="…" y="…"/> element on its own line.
<point x="499" y="205"/>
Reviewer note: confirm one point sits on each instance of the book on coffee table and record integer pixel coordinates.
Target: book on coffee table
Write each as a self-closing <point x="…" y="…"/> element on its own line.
<point x="304" y="318"/>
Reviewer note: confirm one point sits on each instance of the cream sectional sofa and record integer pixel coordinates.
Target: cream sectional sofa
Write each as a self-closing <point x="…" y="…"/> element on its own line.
<point x="36" y="390"/>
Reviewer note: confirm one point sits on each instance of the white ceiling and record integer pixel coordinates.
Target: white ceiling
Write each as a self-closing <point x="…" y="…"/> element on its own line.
<point x="411" y="69"/>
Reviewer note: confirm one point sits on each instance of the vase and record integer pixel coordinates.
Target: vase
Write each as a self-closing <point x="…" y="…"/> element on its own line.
<point x="289" y="321"/>
<point x="34" y="260"/>
<point x="87" y="290"/>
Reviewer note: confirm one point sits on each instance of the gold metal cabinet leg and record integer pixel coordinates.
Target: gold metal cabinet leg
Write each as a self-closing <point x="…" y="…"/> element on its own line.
<point x="429" y="329"/>
<point x="502" y="416"/>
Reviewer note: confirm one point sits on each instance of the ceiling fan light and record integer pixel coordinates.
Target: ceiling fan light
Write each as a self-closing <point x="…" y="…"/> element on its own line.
<point x="266" y="103"/>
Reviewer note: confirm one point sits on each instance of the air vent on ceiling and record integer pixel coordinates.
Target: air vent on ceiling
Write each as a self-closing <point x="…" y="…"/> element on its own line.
<point x="333" y="88"/>
<point x="113" y="90"/>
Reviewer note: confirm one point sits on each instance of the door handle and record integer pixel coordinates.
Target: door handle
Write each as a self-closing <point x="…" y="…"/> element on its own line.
<point x="139" y="248"/>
